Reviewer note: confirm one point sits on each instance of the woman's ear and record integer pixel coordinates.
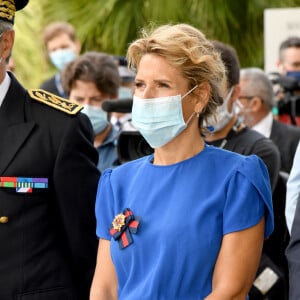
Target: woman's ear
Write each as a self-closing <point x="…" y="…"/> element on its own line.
<point x="202" y="92"/>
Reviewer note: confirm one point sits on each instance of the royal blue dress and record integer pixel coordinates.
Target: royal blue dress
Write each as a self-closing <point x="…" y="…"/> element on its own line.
<point x="185" y="209"/>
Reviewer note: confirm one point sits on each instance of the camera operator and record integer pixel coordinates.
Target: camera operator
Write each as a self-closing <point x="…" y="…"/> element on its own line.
<point x="288" y="80"/>
<point x="122" y="120"/>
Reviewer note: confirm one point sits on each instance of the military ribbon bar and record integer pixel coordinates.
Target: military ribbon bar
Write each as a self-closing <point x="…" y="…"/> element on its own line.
<point x="23" y="184"/>
<point x="123" y="225"/>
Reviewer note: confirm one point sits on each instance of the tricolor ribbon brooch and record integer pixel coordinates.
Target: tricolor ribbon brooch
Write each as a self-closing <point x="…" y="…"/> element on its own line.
<point x="123" y="225"/>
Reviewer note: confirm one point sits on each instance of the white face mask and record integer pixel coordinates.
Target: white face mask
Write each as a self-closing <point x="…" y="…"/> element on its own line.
<point x="97" y="116"/>
<point x="61" y="57"/>
<point x="159" y="120"/>
<point x="222" y="116"/>
<point x="243" y="113"/>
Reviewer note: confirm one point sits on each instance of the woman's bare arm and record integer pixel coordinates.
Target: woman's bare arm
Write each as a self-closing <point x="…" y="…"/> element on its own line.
<point x="237" y="263"/>
<point x="104" y="285"/>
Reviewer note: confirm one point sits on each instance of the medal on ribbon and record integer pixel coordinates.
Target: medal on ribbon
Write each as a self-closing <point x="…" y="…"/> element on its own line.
<point x="123" y="225"/>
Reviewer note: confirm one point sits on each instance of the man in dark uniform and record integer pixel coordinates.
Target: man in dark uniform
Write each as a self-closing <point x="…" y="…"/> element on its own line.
<point x="48" y="183"/>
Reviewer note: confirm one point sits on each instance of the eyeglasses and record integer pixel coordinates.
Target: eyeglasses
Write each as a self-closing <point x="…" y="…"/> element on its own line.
<point x="249" y="98"/>
<point x="246" y="97"/>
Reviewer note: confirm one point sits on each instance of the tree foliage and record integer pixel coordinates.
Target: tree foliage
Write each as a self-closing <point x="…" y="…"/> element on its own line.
<point x="110" y="25"/>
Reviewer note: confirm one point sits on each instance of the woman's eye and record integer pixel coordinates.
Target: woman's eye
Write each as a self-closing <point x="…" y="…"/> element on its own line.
<point x="138" y="84"/>
<point x="164" y="85"/>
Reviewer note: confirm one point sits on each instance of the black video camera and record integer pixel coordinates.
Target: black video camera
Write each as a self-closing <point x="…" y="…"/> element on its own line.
<point x="131" y="144"/>
<point x="290" y="90"/>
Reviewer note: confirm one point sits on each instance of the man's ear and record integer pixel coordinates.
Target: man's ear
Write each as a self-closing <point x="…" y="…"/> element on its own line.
<point x="236" y="92"/>
<point x="234" y="96"/>
<point x="255" y="104"/>
<point x="280" y="66"/>
<point x="8" y="38"/>
<point x="78" y="46"/>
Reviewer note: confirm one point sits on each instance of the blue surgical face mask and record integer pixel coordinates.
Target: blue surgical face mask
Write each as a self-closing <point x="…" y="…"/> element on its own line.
<point x="159" y="120"/>
<point x="97" y="116"/>
<point x="222" y="116"/>
<point x="124" y="93"/>
<point x="295" y="74"/>
<point x="61" y="57"/>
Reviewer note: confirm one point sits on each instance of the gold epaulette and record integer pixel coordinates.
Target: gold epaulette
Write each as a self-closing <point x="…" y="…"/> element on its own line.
<point x="56" y="102"/>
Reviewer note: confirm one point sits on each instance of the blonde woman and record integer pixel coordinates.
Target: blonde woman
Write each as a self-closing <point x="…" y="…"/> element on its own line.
<point x="187" y="222"/>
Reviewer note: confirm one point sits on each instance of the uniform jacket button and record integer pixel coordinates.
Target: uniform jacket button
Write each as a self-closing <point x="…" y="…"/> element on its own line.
<point x="3" y="219"/>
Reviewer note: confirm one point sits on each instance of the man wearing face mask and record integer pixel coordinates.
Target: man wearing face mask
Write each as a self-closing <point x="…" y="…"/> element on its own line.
<point x="288" y="65"/>
<point x="228" y="131"/>
<point x="89" y="80"/>
<point x="62" y="47"/>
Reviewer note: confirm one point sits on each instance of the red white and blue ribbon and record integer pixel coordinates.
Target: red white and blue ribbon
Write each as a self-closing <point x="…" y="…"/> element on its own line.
<point x="23" y="184"/>
<point x="123" y="225"/>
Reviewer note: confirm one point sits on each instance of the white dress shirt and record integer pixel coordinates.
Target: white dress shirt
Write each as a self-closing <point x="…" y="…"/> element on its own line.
<point x="4" y="85"/>
<point x="264" y="126"/>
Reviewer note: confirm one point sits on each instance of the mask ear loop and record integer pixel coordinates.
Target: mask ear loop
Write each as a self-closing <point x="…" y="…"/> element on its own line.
<point x="188" y="92"/>
<point x="194" y="113"/>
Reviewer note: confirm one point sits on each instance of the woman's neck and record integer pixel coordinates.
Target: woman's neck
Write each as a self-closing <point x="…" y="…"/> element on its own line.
<point x="184" y="146"/>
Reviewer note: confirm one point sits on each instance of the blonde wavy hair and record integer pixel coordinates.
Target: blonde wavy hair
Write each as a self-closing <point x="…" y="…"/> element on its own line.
<point x="187" y="49"/>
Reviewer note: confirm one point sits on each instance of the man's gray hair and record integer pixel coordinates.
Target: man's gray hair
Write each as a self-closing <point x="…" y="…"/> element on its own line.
<point x="5" y="26"/>
<point x="258" y="84"/>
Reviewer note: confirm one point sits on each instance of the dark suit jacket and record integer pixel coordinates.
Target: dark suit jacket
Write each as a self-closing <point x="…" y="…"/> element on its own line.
<point x="293" y="256"/>
<point x="49" y="85"/>
<point x="286" y="138"/>
<point x="48" y="246"/>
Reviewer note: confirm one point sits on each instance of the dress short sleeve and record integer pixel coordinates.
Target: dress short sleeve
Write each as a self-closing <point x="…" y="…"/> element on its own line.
<point x="104" y="206"/>
<point x="249" y="197"/>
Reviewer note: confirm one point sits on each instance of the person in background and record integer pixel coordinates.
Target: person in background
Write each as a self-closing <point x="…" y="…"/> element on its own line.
<point x="62" y="47"/>
<point x="293" y="190"/>
<point x="122" y="121"/>
<point x="256" y="102"/>
<point x="293" y="255"/>
<point x="48" y="183"/>
<point x="257" y="99"/>
<point x="288" y="64"/>
<point x="289" y="57"/>
<point x="230" y="132"/>
<point x="293" y="221"/>
<point x="154" y="213"/>
<point x="89" y="80"/>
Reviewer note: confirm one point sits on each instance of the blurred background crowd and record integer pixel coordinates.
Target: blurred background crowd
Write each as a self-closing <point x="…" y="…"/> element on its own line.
<point x="109" y="26"/>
